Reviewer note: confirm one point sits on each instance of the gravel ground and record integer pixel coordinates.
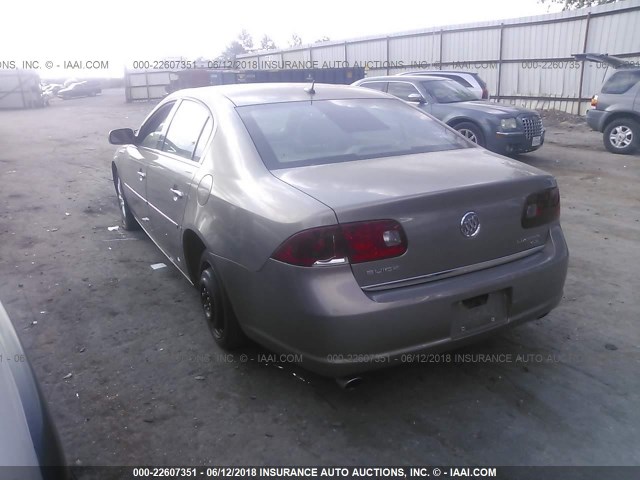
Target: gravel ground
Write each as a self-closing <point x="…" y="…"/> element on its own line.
<point x="148" y="385"/>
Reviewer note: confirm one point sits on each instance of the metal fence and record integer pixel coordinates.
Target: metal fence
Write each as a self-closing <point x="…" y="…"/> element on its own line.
<point x="525" y="61"/>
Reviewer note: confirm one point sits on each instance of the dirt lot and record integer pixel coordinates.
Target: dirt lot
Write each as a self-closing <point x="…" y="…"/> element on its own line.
<point x="149" y="386"/>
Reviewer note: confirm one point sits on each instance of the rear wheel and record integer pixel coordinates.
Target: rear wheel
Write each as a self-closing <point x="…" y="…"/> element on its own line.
<point x="127" y="219"/>
<point x="622" y="136"/>
<point x="471" y="132"/>
<point x="218" y="313"/>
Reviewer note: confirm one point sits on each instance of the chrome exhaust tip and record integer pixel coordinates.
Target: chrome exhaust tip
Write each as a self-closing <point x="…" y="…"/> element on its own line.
<point x="348" y="383"/>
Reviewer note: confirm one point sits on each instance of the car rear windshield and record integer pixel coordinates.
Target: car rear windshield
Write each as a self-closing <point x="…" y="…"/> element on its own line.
<point x="620" y="82"/>
<point x="448" y="91"/>
<point x="295" y="134"/>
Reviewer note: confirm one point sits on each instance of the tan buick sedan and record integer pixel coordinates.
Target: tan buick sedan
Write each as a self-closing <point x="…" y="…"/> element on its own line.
<point x="339" y="223"/>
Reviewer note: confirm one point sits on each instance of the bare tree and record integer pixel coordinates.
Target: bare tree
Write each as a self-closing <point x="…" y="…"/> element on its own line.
<point x="267" y="43"/>
<point x="246" y="40"/>
<point x="242" y="44"/>
<point x="295" y="41"/>
<point x="573" y="4"/>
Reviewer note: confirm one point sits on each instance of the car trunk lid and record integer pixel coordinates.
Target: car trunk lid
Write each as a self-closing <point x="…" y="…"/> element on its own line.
<point x="610" y="60"/>
<point x="429" y="194"/>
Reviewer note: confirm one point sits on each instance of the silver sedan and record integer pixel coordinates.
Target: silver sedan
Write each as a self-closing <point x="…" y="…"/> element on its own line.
<point x="339" y="223"/>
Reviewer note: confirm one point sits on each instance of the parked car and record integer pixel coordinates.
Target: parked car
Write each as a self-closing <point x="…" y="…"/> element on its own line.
<point x="615" y="109"/>
<point x="500" y="128"/>
<point x="470" y="80"/>
<point x="339" y="223"/>
<point x="80" y="89"/>
<point x="52" y="88"/>
<point x="28" y="437"/>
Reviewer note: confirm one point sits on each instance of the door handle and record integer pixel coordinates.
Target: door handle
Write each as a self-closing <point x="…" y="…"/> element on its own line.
<point x="177" y="194"/>
<point x="142" y="175"/>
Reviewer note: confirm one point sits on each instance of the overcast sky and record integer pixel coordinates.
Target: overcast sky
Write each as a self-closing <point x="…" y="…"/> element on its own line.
<point x="121" y="31"/>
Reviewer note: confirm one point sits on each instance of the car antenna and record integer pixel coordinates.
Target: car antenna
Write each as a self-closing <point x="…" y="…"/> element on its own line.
<point x="310" y="90"/>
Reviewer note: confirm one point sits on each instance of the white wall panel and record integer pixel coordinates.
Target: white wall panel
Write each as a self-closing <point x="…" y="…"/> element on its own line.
<point x="547" y="40"/>
<point x="527" y="38"/>
<point x="615" y="33"/>
<point x="371" y="51"/>
<point x="415" y="52"/>
<point x="333" y="53"/>
<point x="471" y="45"/>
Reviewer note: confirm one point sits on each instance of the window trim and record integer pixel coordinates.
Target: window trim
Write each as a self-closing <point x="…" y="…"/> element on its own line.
<point x="206" y="142"/>
<point x="433" y="98"/>
<point x="384" y="82"/>
<point x="190" y="161"/>
<point x="168" y="121"/>
<point x="408" y="83"/>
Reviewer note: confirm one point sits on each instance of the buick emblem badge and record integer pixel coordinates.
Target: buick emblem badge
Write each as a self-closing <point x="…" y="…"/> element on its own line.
<point x="470" y="224"/>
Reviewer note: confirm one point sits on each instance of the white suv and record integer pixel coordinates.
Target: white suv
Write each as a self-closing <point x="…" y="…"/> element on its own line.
<point x="470" y="80"/>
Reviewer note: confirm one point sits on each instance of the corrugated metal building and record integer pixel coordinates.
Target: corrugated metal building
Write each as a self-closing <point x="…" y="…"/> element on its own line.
<point x="20" y="89"/>
<point x="526" y="61"/>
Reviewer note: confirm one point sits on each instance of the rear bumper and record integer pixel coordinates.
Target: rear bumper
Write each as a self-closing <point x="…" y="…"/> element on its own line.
<point x="509" y="143"/>
<point x="338" y="329"/>
<point x="595" y="119"/>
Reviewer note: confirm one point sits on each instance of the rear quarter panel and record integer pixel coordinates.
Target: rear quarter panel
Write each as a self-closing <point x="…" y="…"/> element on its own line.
<point x="248" y="212"/>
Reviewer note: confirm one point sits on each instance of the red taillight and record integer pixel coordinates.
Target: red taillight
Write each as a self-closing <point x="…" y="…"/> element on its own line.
<point x="541" y="207"/>
<point x="354" y="242"/>
<point x="316" y="246"/>
<point x="369" y="241"/>
<point x="485" y="93"/>
<point x="594" y="101"/>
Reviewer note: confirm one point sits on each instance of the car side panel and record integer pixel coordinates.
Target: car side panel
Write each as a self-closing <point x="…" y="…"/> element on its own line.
<point x="132" y="169"/>
<point x="167" y="175"/>
<point x="242" y="212"/>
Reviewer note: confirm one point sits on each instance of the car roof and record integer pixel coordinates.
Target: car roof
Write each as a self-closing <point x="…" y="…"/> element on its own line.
<point x="400" y="78"/>
<point x="262" y="93"/>
<point x="435" y="72"/>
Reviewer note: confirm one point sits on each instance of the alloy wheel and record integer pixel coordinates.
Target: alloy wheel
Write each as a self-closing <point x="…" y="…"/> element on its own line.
<point x="469" y="134"/>
<point x="621" y="136"/>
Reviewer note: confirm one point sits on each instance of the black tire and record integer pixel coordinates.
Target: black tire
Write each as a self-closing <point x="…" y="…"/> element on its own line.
<point x="622" y="136"/>
<point x="127" y="220"/>
<point x="471" y="132"/>
<point x="218" y="313"/>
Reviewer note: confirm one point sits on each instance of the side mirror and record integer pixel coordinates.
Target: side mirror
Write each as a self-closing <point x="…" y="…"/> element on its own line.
<point x="416" y="98"/>
<point x="122" y="136"/>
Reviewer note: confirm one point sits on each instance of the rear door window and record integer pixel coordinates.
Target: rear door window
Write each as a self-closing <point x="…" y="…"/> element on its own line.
<point x="455" y="78"/>
<point x="185" y="129"/>
<point x="381" y="86"/>
<point x="448" y="91"/>
<point x="203" y="140"/>
<point x="621" y="82"/>
<point x="402" y="90"/>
